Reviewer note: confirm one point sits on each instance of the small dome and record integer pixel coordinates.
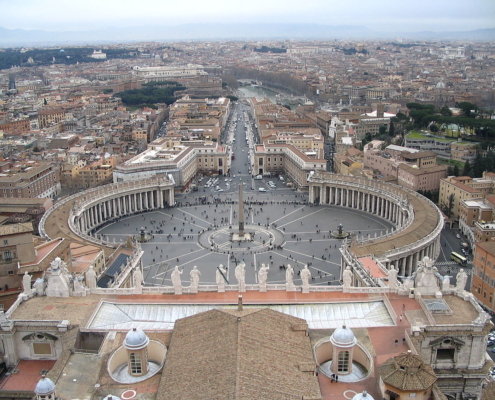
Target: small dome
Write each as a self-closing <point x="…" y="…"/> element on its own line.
<point x="343" y="337"/>
<point x="44" y="386"/>
<point x="440" y="85"/>
<point x="363" y="396"/>
<point x="136" y="339"/>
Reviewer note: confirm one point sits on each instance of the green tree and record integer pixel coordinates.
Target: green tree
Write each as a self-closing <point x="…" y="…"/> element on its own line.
<point x="479" y="166"/>
<point x="467" y="169"/>
<point x="445" y="111"/>
<point x="448" y="208"/>
<point x="456" y="170"/>
<point x="468" y="109"/>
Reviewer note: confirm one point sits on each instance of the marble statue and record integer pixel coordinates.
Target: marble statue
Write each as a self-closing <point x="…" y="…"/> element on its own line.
<point x="26" y="283"/>
<point x="461" y="279"/>
<point x="56" y="264"/>
<point x="79" y="289"/>
<point x="240" y="275"/>
<point x="262" y="277"/>
<point x="305" y="277"/>
<point x="347" y="277"/>
<point x="220" y="274"/>
<point x="176" y="282"/>
<point x="446" y="283"/>
<point x="91" y="277"/>
<point x="137" y="277"/>
<point x="289" y="276"/>
<point x="392" y="277"/>
<point x="58" y="280"/>
<point x="39" y="286"/>
<point x="195" y="274"/>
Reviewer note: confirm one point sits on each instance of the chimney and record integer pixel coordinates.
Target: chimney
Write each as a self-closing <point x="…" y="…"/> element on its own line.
<point x="239" y="303"/>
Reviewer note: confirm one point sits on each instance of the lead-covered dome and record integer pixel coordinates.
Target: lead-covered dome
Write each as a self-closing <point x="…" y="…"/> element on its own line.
<point x="343" y="337"/>
<point x="44" y="386"/>
<point x="136" y="339"/>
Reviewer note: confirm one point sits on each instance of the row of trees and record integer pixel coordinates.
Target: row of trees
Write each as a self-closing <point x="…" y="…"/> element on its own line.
<point x="151" y="93"/>
<point x="425" y="116"/>
<point x="482" y="162"/>
<point x="71" y="55"/>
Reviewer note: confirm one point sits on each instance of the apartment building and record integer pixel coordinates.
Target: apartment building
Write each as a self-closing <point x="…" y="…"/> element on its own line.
<point x="463" y="188"/>
<point x="30" y="179"/>
<point x="483" y="286"/>
<point x="47" y="116"/>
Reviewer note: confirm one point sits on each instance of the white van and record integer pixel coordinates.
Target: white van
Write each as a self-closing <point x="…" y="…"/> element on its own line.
<point x="258" y="177"/>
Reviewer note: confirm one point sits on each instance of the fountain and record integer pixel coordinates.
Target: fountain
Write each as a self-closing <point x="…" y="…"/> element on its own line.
<point x="340" y="233"/>
<point x="144" y="236"/>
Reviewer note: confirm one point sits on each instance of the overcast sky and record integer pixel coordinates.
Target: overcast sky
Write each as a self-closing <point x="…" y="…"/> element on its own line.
<point x="382" y="15"/>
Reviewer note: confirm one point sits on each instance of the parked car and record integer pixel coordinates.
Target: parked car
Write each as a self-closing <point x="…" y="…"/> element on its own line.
<point x="490" y="343"/>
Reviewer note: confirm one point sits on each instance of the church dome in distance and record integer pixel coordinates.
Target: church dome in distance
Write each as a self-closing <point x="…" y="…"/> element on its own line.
<point x="440" y="85"/>
<point x="343" y="337"/>
<point x="44" y="386"/>
<point x="136" y="339"/>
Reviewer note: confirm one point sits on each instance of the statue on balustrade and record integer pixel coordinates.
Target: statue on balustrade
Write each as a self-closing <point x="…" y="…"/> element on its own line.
<point x="137" y="277"/>
<point x="289" y="277"/>
<point x="26" y="283"/>
<point x="461" y="279"/>
<point x="392" y="277"/>
<point x="176" y="280"/>
<point x="305" y="277"/>
<point x="91" y="277"/>
<point x="220" y="278"/>
<point x="347" y="277"/>
<point x="240" y="275"/>
<point x="262" y="277"/>
<point x="195" y="274"/>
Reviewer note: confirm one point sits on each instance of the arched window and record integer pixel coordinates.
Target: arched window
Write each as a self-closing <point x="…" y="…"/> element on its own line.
<point x="135" y="363"/>
<point x="343" y="365"/>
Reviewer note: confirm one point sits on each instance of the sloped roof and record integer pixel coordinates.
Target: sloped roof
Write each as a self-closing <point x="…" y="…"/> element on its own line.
<point x="407" y="372"/>
<point x="230" y="354"/>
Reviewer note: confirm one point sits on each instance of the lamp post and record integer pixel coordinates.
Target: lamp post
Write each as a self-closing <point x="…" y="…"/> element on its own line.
<point x="267" y="222"/>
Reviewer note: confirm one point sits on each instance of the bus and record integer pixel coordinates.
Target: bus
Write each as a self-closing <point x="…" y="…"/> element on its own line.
<point x="458" y="258"/>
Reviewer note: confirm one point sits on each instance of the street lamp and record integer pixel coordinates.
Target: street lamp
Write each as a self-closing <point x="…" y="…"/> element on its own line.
<point x="267" y="222"/>
<point x="214" y="222"/>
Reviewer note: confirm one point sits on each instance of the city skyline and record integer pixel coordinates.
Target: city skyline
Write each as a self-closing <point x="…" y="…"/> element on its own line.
<point x="380" y="15"/>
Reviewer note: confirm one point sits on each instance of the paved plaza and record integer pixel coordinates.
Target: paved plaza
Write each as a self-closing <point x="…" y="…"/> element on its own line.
<point x="303" y="230"/>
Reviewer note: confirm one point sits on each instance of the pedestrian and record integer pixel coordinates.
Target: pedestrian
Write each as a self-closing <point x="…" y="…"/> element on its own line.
<point x="337" y="378"/>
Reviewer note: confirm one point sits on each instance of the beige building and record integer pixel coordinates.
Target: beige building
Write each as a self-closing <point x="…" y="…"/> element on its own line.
<point x="463" y="188"/>
<point x="276" y="159"/>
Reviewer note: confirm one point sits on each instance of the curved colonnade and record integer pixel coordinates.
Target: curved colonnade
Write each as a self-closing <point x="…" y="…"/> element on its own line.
<point x="90" y="209"/>
<point x="418" y="222"/>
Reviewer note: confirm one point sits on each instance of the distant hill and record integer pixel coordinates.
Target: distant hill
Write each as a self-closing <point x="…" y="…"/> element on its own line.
<point x="21" y="37"/>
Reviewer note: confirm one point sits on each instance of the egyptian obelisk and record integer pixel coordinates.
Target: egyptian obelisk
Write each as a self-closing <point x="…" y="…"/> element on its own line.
<point x="241" y="212"/>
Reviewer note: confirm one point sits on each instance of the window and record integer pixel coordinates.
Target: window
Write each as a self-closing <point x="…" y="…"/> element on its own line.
<point x="343" y="362"/>
<point x="7" y="254"/>
<point x="135" y="363"/>
<point x="445" y="354"/>
<point x="5" y="242"/>
<point x="42" y="348"/>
